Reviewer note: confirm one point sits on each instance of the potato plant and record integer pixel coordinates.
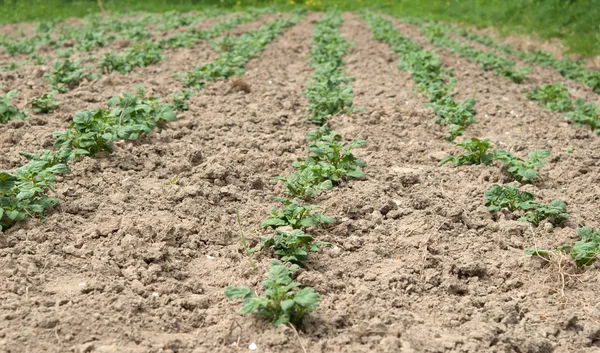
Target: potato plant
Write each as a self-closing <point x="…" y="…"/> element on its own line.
<point x="427" y="73"/>
<point x="292" y="214"/>
<point x="44" y="104"/>
<point x="142" y="54"/>
<point x="282" y="303"/>
<point x="244" y="48"/>
<point x="66" y="75"/>
<point x="8" y="111"/>
<point x="584" y="252"/>
<point x="477" y="153"/>
<point x="293" y="246"/>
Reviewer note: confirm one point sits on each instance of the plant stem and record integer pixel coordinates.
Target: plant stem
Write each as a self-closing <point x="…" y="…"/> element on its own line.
<point x="244" y="240"/>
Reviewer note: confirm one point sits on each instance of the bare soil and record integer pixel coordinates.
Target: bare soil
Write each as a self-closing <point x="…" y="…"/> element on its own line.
<point x="130" y="262"/>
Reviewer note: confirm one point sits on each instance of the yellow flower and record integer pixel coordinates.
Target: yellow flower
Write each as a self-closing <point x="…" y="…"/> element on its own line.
<point x="292" y="2"/>
<point x="239" y="3"/>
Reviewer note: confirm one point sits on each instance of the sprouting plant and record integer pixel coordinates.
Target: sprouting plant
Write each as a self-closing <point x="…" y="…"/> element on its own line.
<point x="7" y="110"/>
<point x="477" y="153"/>
<point x="507" y="196"/>
<point x="282" y="303"/>
<point x="44" y="104"/>
<point x="583" y="253"/>
<point x="295" y="216"/>
<point x="523" y="170"/>
<point x="180" y="98"/>
<point x="556" y="213"/>
<point x="585" y="113"/>
<point x="292" y="246"/>
<point x="66" y="75"/>
<point x="14" y="65"/>
<point x="457" y="115"/>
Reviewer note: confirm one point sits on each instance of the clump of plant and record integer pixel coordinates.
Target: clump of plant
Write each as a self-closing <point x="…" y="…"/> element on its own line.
<point x="24" y="192"/>
<point x="131" y="117"/>
<point x="44" y="104"/>
<point x="7" y="110"/>
<point x="583" y="253"/>
<point x="295" y="216"/>
<point x="142" y="54"/>
<point x="553" y="97"/>
<point x="66" y="75"/>
<point x="477" y="153"/>
<point x="555" y="213"/>
<point x="457" y="115"/>
<point x="180" y="99"/>
<point x="282" y="303"/>
<point x="523" y="170"/>
<point x="510" y="197"/>
<point x="306" y="182"/>
<point x="292" y="246"/>
<point x="507" y="196"/>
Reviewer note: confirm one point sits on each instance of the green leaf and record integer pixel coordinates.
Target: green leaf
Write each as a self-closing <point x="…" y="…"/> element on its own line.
<point x="233" y="292"/>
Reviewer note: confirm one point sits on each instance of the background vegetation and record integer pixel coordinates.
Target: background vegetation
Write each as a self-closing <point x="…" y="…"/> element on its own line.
<point x="575" y="22"/>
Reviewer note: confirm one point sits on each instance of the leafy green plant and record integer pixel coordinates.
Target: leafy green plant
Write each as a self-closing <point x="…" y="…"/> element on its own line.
<point x="295" y="216"/>
<point x="282" y="303"/>
<point x="306" y="183"/>
<point x="553" y="97"/>
<point x="132" y="116"/>
<point x="180" y="98"/>
<point x="8" y="111"/>
<point x="141" y="54"/>
<point x="556" y="213"/>
<point x="523" y="170"/>
<point x="44" y="104"/>
<point x="66" y="75"/>
<point x="583" y="253"/>
<point x="507" y="196"/>
<point x="292" y="246"/>
<point x="24" y="193"/>
<point x="477" y="153"/>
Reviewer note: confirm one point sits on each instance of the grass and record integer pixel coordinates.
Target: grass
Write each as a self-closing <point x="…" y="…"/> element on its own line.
<point x="575" y="22"/>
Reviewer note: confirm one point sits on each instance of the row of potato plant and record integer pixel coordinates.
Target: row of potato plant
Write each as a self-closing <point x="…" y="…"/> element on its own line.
<point x="427" y="73"/>
<point x="330" y="161"/>
<point x="237" y="52"/>
<point x="553" y="96"/>
<point x="26" y="191"/>
<point x="509" y="197"/>
<point x="567" y="67"/>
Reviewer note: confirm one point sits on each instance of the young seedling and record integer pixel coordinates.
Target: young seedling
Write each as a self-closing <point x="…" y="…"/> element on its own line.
<point x="523" y="171"/>
<point x="477" y="153"/>
<point x="44" y="104"/>
<point x="66" y="75"/>
<point x="509" y="197"/>
<point x="282" y="303"/>
<point x="295" y="216"/>
<point x="306" y="183"/>
<point x="553" y="97"/>
<point x="292" y="246"/>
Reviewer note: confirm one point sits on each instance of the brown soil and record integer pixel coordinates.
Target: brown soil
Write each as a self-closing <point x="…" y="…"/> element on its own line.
<point x="133" y="263"/>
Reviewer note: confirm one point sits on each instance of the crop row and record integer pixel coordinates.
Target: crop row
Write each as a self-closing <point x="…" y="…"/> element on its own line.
<point x="567" y="67"/>
<point x="97" y="31"/>
<point x="580" y="111"/>
<point x="68" y="74"/>
<point x="523" y="170"/>
<point x="235" y="52"/>
<point x="427" y="73"/>
<point x="25" y="192"/>
<point x="330" y="162"/>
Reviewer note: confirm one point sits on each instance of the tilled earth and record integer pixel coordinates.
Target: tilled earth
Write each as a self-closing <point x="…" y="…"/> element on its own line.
<point x="130" y="262"/>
